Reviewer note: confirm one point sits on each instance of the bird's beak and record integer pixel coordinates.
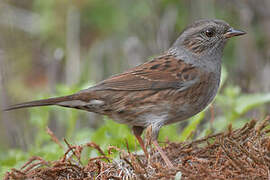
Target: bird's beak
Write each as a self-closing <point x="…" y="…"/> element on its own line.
<point x="233" y="32"/>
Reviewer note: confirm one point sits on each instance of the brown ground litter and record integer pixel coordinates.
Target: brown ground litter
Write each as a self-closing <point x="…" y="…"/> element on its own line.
<point x="235" y="154"/>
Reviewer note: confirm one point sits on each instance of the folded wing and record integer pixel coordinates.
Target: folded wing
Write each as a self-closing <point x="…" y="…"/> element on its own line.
<point x="161" y="73"/>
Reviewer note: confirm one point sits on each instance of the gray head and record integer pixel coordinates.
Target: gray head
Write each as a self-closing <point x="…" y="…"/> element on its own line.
<point x="206" y="36"/>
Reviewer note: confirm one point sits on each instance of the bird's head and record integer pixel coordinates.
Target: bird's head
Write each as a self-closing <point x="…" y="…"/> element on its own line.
<point x="206" y="36"/>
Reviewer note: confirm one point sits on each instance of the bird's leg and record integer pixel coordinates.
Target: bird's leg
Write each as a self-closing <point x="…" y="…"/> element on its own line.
<point x="155" y="131"/>
<point x="137" y="131"/>
<point x="162" y="153"/>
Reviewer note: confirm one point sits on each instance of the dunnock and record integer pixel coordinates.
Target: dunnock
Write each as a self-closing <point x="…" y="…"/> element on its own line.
<point x="169" y="88"/>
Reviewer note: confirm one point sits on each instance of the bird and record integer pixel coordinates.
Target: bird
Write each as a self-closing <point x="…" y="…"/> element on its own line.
<point x="169" y="88"/>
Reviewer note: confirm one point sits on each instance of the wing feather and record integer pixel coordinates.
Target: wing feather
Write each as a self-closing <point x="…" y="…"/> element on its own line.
<point x="161" y="73"/>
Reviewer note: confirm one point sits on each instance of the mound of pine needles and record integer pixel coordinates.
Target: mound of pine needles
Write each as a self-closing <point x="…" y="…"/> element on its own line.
<point x="242" y="153"/>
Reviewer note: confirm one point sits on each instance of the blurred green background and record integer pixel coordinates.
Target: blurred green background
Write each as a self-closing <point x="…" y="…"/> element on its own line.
<point x="51" y="48"/>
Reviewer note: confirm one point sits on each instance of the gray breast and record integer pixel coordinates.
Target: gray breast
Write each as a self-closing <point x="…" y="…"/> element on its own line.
<point x="191" y="108"/>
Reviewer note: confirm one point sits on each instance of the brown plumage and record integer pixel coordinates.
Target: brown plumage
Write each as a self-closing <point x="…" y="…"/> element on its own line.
<point x="167" y="89"/>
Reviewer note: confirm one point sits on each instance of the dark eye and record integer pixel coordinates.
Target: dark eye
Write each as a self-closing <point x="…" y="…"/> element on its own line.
<point x="210" y="32"/>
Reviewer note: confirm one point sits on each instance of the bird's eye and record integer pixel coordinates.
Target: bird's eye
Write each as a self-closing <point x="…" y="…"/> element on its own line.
<point x="210" y="32"/>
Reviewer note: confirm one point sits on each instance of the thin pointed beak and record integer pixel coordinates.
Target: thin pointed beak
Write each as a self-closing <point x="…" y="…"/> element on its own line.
<point x="233" y="32"/>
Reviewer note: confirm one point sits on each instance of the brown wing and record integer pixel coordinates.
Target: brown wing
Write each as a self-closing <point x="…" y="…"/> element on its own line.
<point x="161" y="73"/>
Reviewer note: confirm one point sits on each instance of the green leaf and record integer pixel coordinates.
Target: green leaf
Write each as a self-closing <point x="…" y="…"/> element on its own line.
<point x="224" y="76"/>
<point x="247" y="102"/>
<point x="193" y="123"/>
<point x="112" y="133"/>
<point x="169" y="132"/>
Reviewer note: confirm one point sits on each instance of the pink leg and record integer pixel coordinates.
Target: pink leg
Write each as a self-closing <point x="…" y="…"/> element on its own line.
<point x="138" y="132"/>
<point x="142" y="145"/>
<point x="163" y="155"/>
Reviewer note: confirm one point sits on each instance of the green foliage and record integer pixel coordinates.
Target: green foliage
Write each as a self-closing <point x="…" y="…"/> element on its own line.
<point x="246" y="102"/>
<point x="12" y="159"/>
<point x="15" y="158"/>
<point x="112" y="133"/>
<point x="192" y="125"/>
<point x="236" y="104"/>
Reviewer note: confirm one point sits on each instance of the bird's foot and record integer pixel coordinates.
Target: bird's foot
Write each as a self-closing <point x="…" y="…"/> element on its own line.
<point x="163" y="155"/>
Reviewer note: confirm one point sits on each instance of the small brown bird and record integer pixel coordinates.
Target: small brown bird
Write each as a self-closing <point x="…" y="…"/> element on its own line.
<point x="169" y="88"/>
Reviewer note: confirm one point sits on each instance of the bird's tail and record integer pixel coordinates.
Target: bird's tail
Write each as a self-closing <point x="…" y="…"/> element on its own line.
<point x="62" y="101"/>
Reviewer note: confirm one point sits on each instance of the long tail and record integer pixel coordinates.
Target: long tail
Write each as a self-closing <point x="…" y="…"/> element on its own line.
<point x="62" y="101"/>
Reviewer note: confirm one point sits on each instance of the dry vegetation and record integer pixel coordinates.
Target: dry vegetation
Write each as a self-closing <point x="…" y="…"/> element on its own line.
<point x="235" y="154"/>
